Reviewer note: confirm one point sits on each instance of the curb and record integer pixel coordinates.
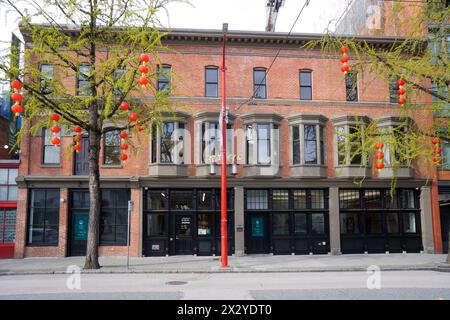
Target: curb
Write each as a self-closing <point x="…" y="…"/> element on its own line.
<point x="440" y="268"/>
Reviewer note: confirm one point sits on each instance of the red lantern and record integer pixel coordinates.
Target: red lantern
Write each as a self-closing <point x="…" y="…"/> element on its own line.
<point x="435" y="140"/>
<point x="437" y="150"/>
<point x="54" y="117"/>
<point x="143" y="81"/>
<point x="16" y="84"/>
<point x="401" y="101"/>
<point x="143" y="69"/>
<point x="78" y="139"/>
<point x="379" y="145"/>
<point x="344" y="49"/>
<point x="344" y="59"/>
<point x="17" y="108"/>
<point x="400" y="82"/>
<point x="144" y="57"/>
<point x="17" y="97"/>
<point x="124" y="106"/>
<point x="55" y="129"/>
<point x="133" y="117"/>
<point x="123" y="157"/>
<point x="55" y="141"/>
<point x="124" y="146"/>
<point x="123" y="135"/>
<point x="77" y="129"/>
<point x="379" y="155"/>
<point x="77" y="147"/>
<point x="379" y="165"/>
<point x="437" y="159"/>
<point x="345" y="68"/>
<point x="401" y="92"/>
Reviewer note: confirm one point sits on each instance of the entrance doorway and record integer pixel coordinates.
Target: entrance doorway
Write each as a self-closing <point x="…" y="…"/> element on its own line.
<point x="257" y="233"/>
<point x="79" y="222"/>
<point x="183" y="233"/>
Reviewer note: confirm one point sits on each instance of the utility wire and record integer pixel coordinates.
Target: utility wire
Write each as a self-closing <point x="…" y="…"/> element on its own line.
<point x="275" y="58"/>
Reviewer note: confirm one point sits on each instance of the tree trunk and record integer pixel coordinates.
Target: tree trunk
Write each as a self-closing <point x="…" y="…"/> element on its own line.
<point x="94" y="193"/>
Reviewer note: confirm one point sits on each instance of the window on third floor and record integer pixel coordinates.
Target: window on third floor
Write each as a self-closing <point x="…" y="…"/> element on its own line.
<point x="84" y="87"/>
<point x="111" y="149"/>
<point x="351" y="86"/>
<point x="259" y="83"/>
<point x="46" y="76"/>
<point x="305" y="85"/>
<point x="211" y="82"/>
<point x="164" y="77"/>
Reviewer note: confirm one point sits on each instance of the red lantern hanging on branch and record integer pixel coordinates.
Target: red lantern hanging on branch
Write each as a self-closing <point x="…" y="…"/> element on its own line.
<point x="55" y="129"/>
<point x="123" y="157"/>
<point x="123" y="135"/>
<point x="133" y="117"/>
<point x="344" y="59"/>
<point x="379" y="155"/>
<point x="143" y="69"/>
<point x="77" y="147"/>
<point x="77" y="129"/>
<point x="124" y="106"/>
<point x="437" y="159"/>
<point x="16" y="85"/>
<point x="143" y="81"/>
<point x="54" y="117"/>
<point x="55" y="141"/>
<point x="401" y="92"/>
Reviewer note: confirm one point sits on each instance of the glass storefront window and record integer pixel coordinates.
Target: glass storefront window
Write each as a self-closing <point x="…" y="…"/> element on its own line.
<point x="349" y="223"/>
<point x="392" y="222"/>
<point x="349" y="199"/>
<point x="7" y="225"/>
<point x="300" y="226"/>
<point x="181" y="200"/>
<point x="407" y="199"/>
<point x="280" y="199"/>
<point x="156" y="200"/>
<point x="317" y="199"/>
<point x="317" y="223"/>
<point x="409" y="222"/>
<point x="8" y="186"/>
<point x="204" y="200"/>
<point x="372" y="199"/>
<point x="373" y="222"/>
<point x="204" y="224"/>
<point x="299" y="199"/>
<point x="280" y="224"/>
<point x="156" y="224"/>
<point x="257" y="199"/>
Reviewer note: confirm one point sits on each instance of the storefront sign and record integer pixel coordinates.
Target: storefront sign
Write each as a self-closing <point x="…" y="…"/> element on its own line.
<point x="257" y="227"/>
<point x="81" y="227"/>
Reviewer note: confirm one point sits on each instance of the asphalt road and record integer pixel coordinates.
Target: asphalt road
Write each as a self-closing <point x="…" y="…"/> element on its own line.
<point x="430" y="285"/>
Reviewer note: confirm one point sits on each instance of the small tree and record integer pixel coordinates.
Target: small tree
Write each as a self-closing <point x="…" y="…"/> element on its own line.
<point x="423" y="64"/>
<point x="107" y="37"/>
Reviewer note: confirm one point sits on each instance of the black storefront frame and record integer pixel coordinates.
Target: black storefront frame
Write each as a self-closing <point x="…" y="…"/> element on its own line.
<point x="384" y="241"/>
<point x="292" y="243"/>
<point x="165" y="243"/>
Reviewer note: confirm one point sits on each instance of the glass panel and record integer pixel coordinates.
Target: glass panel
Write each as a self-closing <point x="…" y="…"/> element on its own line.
<point x="305" y="93"/>
<point x="264" y="144"/>
<point x="51" y="234"/>
<point x="204" y="224"/>
<point x="51" y="216"/>
<point x="218" y="199"/>
<point x="372" y="199"/>
<point x="305" y="78"/>
<point x="351" y="86"/>
<point x="167" y="142"/>
<point x="3" y="193"/>
<point x="391" y="201"/>
<point x="322" y="145"/>
<point x="295" y="145"/>
<point x="317" y="199"/>
<point x="204" y="200"/>
<point x="392" y="222"/>
<point x="259" y="76"/>
<point x="184" y="226"/>
<point x="355" y="144"/>
<point x="257" y="199"/>
<point x="300" y="223"/>
<point x="12" y="194"/>
<point x="112" y="148"/>
<point x="349" y="199"/>
<point x="407" y="199"/>
<point x="181" y="200"/>
<point x="12" y="176"/>
<point x="38" y="198"/>
<point x="37" y="216"/>
<point x="211" y="90"/>
<point x="156" y="200"/>
<point x="299" y="199"/>
<point x="317" y="223"/>
<point x="409" y="222"/>
<point x="373" y="223"/>
<point x="250" y="142"/>
<point x="3" y="176"/>
<point x="36" y="234"/>
<point x="310" y="144"/>
<point x="280" y="223"/>
<point x="280" y="199"/>
<point x="211" y="75"/>
<point x="156" y="224"/>
<point x="349" y="223"/>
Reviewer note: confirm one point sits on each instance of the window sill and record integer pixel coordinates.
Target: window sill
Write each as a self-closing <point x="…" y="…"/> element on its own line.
<point x="309" y="171"/>
<point x="51" y="165"/>
<point x="111" y="166"/>
<point x="261" y="170"/>
<point x="351" y="171"/>
<point x="167" y="169"/>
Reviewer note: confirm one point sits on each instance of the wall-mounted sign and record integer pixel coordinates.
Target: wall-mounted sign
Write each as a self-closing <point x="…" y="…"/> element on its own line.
<point x="257" y="227"/>
<point x="81" y="224"/>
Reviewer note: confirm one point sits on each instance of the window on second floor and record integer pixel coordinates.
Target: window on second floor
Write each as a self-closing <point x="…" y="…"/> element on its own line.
<point x="445" y="146"/>
<point x="351" y="87"/>
<point x="8" y="185"/>
<point x="46" y="74"/>
<point x="211" y="82"/>
<point x="83" y="84"/>
<point x="259" y="83"/>
<point x="305" y="85"/>
<point x="308" y="137"/>
<point x="164" y="77"/>
<point x="51" y="154"/>
<point x="212" y="140"/>
<point x="349" y="141"/>
<point x="259" y="145"/>
<point x="111" y="148"/>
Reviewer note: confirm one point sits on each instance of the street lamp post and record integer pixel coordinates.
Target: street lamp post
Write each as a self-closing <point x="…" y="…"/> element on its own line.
<point x="223" y="178"/>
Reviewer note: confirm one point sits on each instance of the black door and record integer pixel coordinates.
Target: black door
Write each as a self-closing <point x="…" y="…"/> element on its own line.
<point x="79" y="232"/>
<point x="81" y="159"/>
<point x="182" y="239"/>
<point x="257" y="235"/>
<point x="445" y="226"/>
<point x="155" y="234"/>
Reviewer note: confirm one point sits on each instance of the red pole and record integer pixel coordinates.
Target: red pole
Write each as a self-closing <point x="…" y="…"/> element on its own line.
<point x="223" y="178"/>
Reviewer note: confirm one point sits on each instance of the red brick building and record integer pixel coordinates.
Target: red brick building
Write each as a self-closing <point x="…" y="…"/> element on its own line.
<point x="291" y="193"/>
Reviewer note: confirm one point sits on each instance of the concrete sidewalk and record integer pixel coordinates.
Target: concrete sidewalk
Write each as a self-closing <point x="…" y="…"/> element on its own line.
<point x="251" y="263"/>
